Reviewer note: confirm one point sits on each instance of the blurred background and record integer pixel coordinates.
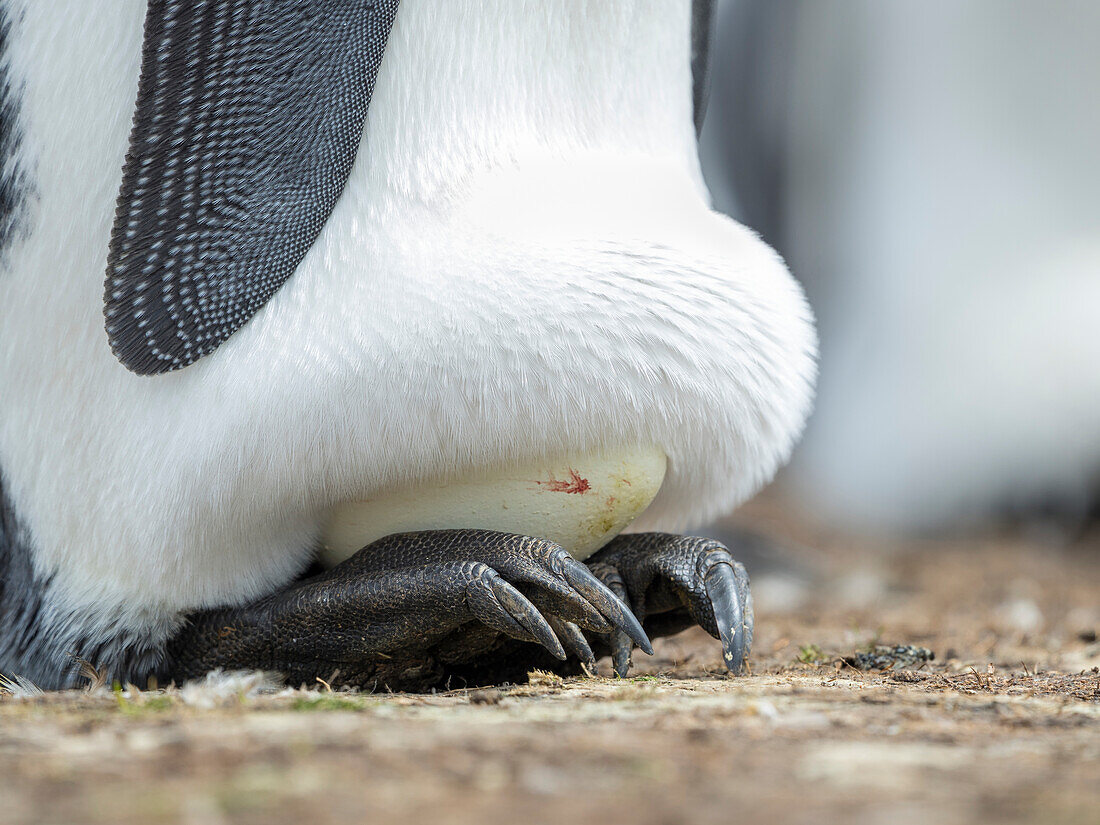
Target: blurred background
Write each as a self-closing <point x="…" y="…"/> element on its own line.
<point x="930" y="173"/>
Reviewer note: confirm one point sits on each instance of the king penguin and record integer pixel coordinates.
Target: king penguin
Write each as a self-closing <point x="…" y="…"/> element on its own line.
<point x="260" y="257"/>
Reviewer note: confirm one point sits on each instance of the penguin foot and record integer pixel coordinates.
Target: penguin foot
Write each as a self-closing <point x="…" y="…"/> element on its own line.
<point x="673" y="582"/>
<point x="404" y="611"/>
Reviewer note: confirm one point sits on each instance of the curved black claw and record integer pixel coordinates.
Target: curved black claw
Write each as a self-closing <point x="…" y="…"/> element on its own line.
<point x="510" y="612"/>
<point x="666" y="575"/>
<point x="609" y="603"/>
<point x="721" y="586"/>
<point x="619" y="643"/>
<point x="573" y="639"/>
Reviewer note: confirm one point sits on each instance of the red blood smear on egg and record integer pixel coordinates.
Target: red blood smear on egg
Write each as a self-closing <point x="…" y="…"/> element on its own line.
<point x="575" y="484"/>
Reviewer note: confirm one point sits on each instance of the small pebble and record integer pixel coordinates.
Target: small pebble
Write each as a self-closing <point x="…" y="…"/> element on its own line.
<point x="485" y="696"/>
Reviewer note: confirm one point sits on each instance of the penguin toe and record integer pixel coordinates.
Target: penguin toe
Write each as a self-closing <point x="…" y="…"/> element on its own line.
<point x="673" y="582"/>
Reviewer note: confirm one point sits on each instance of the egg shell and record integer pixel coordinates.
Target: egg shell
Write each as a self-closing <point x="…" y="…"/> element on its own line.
<point x="580" y="501"/>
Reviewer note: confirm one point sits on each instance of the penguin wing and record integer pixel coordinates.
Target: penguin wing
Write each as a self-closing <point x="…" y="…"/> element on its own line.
<point x="249" y="114"/>
<point x="702" y="34"/>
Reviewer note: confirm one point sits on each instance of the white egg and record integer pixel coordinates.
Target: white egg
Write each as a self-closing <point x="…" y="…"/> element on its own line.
<point x="580" y="501"/>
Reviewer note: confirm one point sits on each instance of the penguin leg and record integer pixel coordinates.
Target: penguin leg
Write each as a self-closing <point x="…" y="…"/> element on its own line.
<point x="673" y="582"/>
<point x="404" y="610"/>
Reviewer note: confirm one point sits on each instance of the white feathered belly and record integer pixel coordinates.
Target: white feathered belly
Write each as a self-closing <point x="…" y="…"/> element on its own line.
<point x="580" y="501"/>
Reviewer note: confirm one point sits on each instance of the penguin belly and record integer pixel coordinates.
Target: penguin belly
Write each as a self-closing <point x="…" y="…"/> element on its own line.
<point x="581" y="501"/>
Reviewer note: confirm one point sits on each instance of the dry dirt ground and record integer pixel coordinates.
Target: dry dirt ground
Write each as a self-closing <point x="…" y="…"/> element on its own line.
<point x="1003" y="726"/>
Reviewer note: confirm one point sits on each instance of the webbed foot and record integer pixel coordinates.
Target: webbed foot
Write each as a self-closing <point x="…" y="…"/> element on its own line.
<point x="673" y="582"/>
<point x="403" y="608"/>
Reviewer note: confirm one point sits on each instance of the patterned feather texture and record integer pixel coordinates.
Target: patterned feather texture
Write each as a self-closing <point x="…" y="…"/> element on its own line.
<point x="13" y="181"/>
<point x="249" y="115"/>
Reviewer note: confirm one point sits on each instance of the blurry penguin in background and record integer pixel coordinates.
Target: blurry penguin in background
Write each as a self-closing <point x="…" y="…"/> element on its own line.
<point x="930" y="173"/>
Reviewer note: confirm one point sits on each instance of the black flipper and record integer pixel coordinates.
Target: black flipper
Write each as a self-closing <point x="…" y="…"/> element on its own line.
<point x="702" y="33"/>
<point x="249" y="114"/>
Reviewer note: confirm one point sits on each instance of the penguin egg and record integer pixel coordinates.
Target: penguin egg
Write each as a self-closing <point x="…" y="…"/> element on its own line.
<point x="580" y="501"/>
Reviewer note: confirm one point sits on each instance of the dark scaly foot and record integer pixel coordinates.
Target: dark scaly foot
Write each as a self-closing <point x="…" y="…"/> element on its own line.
<point x="673" y="582"/>
<point x="407" y="609"/>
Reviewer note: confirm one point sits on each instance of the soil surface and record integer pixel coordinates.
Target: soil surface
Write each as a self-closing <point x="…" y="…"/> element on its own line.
<point x="1003" y="725"/>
